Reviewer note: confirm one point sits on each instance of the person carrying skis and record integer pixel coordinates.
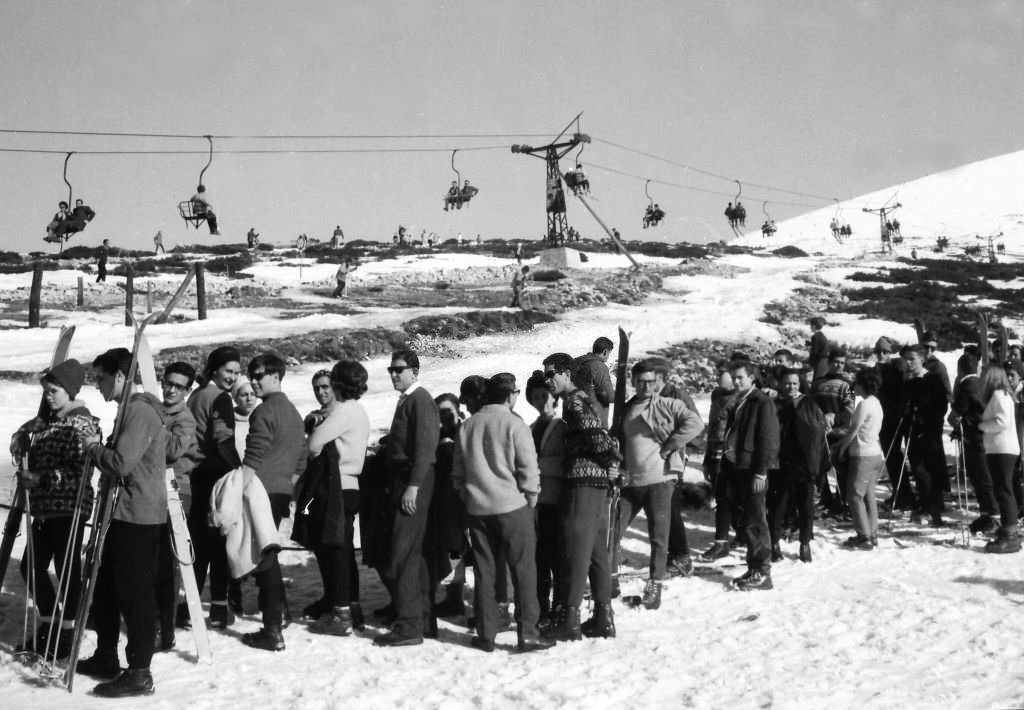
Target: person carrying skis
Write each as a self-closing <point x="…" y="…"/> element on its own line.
<point x="653" y="429"/>
<point x="592" y="461"/>
<point x="595" y="379"/>
<point x="125" y="583"/>
<point x="924" y="406"/>
<point x="52" y="445"/>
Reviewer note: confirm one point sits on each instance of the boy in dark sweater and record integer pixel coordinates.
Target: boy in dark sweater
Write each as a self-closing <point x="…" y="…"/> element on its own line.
<point x="275" y="452"/>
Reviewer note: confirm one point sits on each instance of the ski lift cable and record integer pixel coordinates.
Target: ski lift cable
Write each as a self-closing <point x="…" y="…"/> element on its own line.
<point x="282" y="136"/>
<point x="257" y="151"/>
<point x="690" y="187"/>
<point x="709" y="173"/>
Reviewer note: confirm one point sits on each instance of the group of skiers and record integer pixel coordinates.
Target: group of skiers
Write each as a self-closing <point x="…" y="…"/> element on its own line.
<point x="543" y="506"/>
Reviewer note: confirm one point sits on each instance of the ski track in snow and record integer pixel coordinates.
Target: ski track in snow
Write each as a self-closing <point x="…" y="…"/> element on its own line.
<point x="924" y="626"/>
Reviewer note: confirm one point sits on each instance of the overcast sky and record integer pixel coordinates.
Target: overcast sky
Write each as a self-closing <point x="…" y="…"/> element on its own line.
<point x="823" y="98"/>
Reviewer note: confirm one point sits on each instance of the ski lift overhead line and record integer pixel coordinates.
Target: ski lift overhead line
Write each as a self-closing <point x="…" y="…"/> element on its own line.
<point x="717" y="176"/>
<point x="350" y="136"/>
<point x="257" y="151"/>
<point x="691" y="187"/>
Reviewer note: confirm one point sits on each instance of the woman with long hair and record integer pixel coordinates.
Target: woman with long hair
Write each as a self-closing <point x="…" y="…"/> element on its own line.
<point x="1002" y="449"/>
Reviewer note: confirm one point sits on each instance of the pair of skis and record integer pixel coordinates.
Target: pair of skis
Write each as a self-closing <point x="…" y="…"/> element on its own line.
<point x="143" y="365"/>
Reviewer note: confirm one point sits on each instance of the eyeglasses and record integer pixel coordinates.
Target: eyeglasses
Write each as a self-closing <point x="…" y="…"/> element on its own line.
<point x="651" y="381"/>
<point x="397" y="369"/>
<point x="255" y="376"/>
<point x="175" y="386"/>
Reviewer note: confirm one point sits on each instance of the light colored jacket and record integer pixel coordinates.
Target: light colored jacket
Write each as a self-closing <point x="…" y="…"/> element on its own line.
<point x="999" y="425"/>
<point x="672" y="424"/>
<point x="242" y="512"/>
<point x="495" y="464"/>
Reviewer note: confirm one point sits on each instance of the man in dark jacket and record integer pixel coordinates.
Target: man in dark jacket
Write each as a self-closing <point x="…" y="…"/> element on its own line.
<point x="802" y="455"/>
<point x="411" y="452"/>
<point x="925" y="405"/>
<point x="595" y="379"/>
<point x="135" y="460"/>
<point x="275" y="452"/>
<point x="891" y="371"/>
<point x="751" y="450"/>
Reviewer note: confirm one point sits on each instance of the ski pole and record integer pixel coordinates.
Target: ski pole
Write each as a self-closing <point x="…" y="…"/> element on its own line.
<point x="899" y="479"/>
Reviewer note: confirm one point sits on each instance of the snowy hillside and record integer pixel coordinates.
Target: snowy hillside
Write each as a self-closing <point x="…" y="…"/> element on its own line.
<point x="981" y="198"/>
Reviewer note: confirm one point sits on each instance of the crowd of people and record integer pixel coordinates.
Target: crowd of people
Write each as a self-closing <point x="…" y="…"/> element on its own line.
<point x="461" y="479"/>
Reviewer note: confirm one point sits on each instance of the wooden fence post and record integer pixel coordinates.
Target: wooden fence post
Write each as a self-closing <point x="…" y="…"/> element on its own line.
<point x="129" y="293"/>
<point x="80" y="298"/>
<point x="201" y="289"/>
<point x="35" y="295"/>
<point x="149" y="297"/>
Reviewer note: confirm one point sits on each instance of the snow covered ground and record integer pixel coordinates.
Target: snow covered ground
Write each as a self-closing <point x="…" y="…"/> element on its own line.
<point x="922" y="626"/>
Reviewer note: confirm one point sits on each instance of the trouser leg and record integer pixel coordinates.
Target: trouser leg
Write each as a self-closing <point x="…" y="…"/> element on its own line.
<point x="134" y="551"/>
<point x="758" y="538"/>
<point x="657" y="507"/>
<point x="678" y="545"/>
<point x="407" y="568"/>
<point x="976" y="463"/>
<point x="485" y="605"/>
<point x="1001" y="467"/>
<point x="585" y="525"/>
<point x="519" y="540"/>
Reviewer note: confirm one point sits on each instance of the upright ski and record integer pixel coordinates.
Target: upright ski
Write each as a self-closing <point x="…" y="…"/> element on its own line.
<point x="184" y="553"/>
<point x="106" y="499"/>
<point x="618" y="415"/>
<point x="17" y="509"/>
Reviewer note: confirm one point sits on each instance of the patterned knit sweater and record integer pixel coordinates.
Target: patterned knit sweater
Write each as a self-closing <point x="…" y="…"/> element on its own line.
<point x="592" y="456"/>
<point x="56" y="456"/>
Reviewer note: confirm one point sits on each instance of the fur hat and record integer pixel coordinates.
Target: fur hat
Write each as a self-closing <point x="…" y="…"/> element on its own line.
<point x="69" y="375"/>
<point x="220" y="357"/>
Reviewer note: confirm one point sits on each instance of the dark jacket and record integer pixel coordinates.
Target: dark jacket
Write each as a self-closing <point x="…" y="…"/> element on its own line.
<point x="752" y="440"/>
<point x="214" y="414"/>
<point x="968" y="407"/>
<point x="802" y="452"/>
<point x="924" y="404"/>
<point x="818" y="357"/>
<point x="412" y="441"/>
<point x="138" y="458"/>
<point x="275" y="447"/>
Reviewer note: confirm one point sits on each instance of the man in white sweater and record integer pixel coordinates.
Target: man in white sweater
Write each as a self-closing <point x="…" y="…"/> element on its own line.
<point x="495" y="472"/>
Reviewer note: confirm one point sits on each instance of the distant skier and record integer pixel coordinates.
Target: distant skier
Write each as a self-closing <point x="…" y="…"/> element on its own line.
<point x="337" y="237"/>
<point x="341" y="277"/>
<point x="158" y="243"/>
<point x="252" y="239"/>
<point x="518" y="285"/>
<point x="101" y="262"/>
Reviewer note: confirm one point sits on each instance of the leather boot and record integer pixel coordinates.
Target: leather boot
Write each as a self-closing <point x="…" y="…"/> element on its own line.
<point x="805" y="552"/>
<point x="569" y="628"/>
<point x="101" y="664"/>
<point x="452" y="604"/>
<point x="337" y="623"/>
<point x="776" y="552"/>
<point x="268" y="638"/>
<point x="133" y="681"/>
<point x="601" y="624"/>
<point x="358" y="619"/>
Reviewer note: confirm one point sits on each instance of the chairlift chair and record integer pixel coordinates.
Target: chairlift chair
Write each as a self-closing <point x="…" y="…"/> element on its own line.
<point x="193" y="211"/>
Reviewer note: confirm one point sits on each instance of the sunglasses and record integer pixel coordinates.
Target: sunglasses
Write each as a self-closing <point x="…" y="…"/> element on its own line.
<point x="551" y="373"/>
<point x="255" y="376"/>
<point x="397" y="369"/>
